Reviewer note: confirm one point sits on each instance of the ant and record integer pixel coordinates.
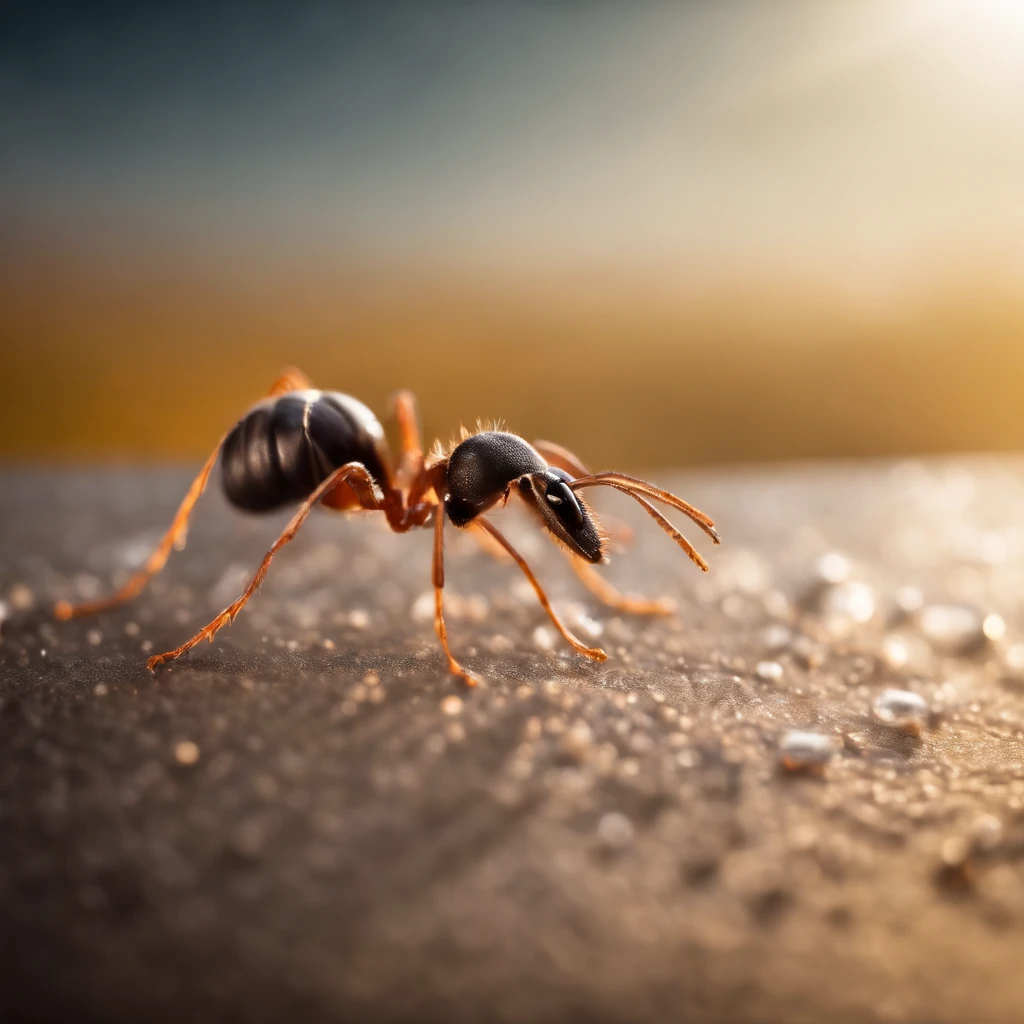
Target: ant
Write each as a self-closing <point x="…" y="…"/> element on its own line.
<point x="322" y="447"/>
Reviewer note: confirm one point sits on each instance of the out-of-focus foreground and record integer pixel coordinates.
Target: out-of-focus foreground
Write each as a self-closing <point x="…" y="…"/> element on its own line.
<point x="666" y="234"/>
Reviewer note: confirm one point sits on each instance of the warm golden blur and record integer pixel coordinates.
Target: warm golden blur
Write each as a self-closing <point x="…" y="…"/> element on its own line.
<point x="692" y="233"/>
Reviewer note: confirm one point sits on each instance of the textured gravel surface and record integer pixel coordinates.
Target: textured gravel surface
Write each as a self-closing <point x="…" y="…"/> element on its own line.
<point x="800" y="799"/>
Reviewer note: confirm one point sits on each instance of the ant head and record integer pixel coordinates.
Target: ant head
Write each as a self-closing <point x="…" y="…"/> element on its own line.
<point x="483" y="468"/>
<point x="480" y="470"/>
<point x="563" y="512"/>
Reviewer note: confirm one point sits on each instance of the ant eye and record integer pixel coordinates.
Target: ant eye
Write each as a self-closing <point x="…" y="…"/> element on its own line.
<point x="560" y="497"/>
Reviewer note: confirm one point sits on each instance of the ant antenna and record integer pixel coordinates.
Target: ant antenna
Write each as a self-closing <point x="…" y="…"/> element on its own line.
<point x="640" y="491"/>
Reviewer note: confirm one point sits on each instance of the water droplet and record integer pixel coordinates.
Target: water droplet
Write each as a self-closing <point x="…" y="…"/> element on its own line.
<point x="909" y="600"/>
<point x="846" y="606"/>
<point x="994" y="627"/>
<point x="833" y="567"/>
<point x="954" y="850"/>
<point x="954" y="628"/>
<point x="895" y="651"/>
<point x="451" y="705"/>
<point x="477" y="608"/>
<point x="186" y="752"/>
<point x="769" y="671"/>
<point x="615" y="830"/>
<point x="808" y="653"/>
<point x="954" y="863"/>
<point x="802" y="751"/>
<point x="1015" y="663"/>
<point x="582" y="622"/>
<point x="776" y="637"/>
<point x="987" y="833"/>
<point x="544" y="638"/>
<point x="901" y="709"/>
<point x="358" y="618"/>
<point x="423" y="607"/>
<point x="577" y="741"/>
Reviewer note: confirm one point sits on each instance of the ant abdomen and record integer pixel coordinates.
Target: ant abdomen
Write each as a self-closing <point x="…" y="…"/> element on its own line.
<point x="283" y="447"/>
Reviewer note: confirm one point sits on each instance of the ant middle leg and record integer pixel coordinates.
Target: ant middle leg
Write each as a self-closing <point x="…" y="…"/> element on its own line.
<point x="410" y="457"/>
<point x="354" y="474"/>
<point x="289" y="380"/>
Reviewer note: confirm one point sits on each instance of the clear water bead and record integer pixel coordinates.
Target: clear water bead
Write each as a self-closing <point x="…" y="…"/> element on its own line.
<point x="768" y="671"/>
<point x="958" y="628"/>
<point x="615" y="830"/>
<point x="901" y="709"/>
<point x="846" y="606"/>
<point x="803" y="751"/>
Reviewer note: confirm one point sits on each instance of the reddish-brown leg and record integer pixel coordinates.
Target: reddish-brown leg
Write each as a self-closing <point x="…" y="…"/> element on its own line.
<point x="591" y="652"/>
<point x="488" y="544"/>
<point x="358" y="478"/>
<point x="410" y="456"/>
<point x="290" y="380"/>
<point x="173" y="538"/>
<point x="438" y="578"/>
<point x="606" y="592"/>
<point x="556" y="455"/>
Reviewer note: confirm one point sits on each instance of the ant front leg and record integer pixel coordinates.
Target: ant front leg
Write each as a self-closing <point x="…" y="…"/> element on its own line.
<point x="289" y="380"/>
<point x="577" y="645"/>
<point x="438" y="579"/>
<point x="362" y="483"/>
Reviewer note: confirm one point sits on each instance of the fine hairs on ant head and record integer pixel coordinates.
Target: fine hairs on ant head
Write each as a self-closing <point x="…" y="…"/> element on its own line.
<point x="307" y="447"/>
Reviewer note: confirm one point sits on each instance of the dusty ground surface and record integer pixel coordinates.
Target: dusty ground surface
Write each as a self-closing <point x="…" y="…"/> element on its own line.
<point x="311" y="820"/>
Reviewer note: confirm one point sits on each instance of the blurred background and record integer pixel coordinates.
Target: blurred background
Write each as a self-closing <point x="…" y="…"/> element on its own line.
<point x="662" y="234"/>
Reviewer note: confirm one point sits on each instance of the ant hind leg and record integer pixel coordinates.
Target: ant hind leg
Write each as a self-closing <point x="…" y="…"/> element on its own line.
<point x="289" y="380"/>
<point x="362" y="483"/>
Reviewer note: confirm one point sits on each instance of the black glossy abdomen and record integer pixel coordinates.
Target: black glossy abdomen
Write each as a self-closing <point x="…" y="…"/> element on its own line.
<point x="284" y="447"/>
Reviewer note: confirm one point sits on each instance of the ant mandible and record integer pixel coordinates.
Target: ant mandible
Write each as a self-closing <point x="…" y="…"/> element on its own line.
<point x="322" y="447"/>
